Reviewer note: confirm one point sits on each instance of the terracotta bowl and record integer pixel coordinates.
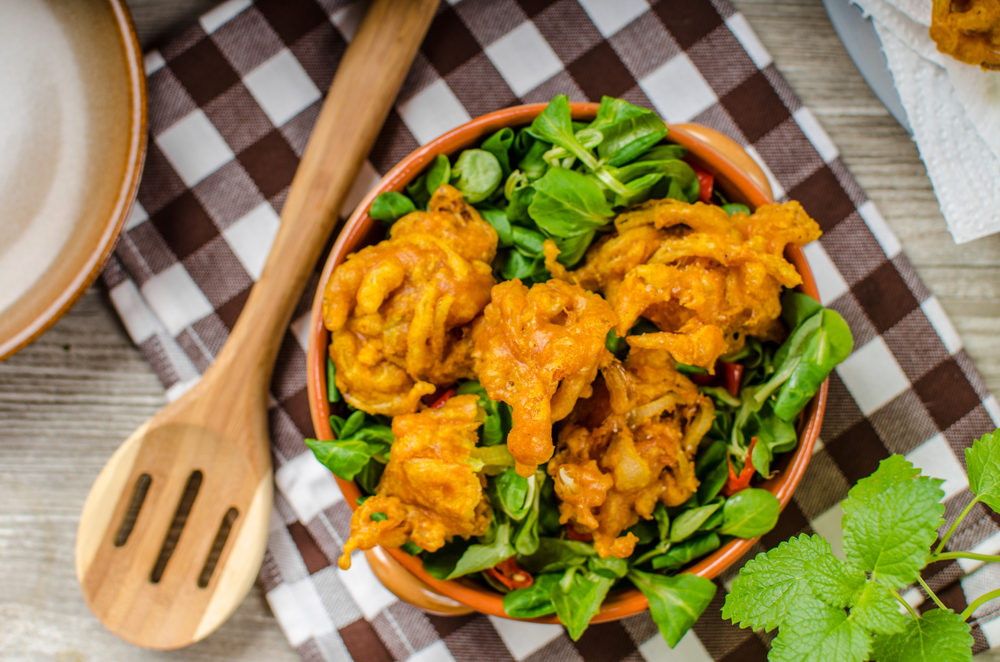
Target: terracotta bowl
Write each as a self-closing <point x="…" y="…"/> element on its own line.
<point x="73" y="126"/>
<point x="740" y="179"/>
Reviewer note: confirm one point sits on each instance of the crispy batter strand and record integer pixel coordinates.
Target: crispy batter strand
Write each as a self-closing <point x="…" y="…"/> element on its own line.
<point x="399" y="311"/>
<point x="539" y="350"/>
<point x="707" y="280"/>
<point x="627" y="447"/>
<point x="429" y="492"/>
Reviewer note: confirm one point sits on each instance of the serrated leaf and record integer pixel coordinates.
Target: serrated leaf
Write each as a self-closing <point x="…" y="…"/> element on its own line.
<point x="890" y="536"/>
<point x="983" y="461"/>
<point x="937" y="636"/>
<point x="815" y="632"/>
<point x="834" y="581"/>
<point x="891" y="471"/>
<point x="874" y="608"/>
<point x="770" y="584"/>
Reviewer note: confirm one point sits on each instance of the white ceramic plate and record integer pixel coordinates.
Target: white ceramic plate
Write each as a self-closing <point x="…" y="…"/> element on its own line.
<point x="72" y="143"/>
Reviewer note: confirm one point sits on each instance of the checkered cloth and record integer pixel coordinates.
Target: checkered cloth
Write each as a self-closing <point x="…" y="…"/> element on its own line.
<point x="231" y="104"/>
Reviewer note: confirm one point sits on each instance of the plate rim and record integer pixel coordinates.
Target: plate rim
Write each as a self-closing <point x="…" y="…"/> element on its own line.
<point x="125" y="198"/>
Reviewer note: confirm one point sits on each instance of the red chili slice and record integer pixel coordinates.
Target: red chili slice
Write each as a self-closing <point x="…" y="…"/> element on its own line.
<point x="511" y="575"/>
<point x="736" y="483"/>
<point x="705" y="182"/>
<point x="734" y="375"/>
<point x="702" y="379"/>
<point x="443" y="399"/>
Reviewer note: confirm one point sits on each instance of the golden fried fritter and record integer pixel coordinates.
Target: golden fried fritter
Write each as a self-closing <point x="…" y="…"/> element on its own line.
<point x="399" y="311"/>
<point x="429" y="492"/>
<point x="629" y="446"/>
<point x="538" y="350"/>
<point x="707" y="280"/>
<point x="968" y="30"/>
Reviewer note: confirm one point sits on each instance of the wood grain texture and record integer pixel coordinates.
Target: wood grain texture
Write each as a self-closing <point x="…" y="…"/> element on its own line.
<point x="68" y="400"/>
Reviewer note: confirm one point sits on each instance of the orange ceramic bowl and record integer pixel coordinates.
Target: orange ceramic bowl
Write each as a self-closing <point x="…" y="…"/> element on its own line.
<point x="740" y="184"/>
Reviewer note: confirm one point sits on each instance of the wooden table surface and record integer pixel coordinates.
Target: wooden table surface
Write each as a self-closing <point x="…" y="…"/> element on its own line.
<point x="68" y="400"/>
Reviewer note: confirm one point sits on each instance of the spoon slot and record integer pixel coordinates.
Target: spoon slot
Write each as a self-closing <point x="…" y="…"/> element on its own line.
<point x="225" y="527"/>
<point x="177" y="525"/>
<point x="135" y="505"/>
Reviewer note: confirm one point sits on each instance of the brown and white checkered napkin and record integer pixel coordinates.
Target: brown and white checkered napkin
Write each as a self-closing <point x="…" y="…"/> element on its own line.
<point x="231" y="104"/>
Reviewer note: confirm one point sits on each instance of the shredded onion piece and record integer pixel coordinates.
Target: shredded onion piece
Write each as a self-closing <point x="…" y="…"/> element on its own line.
<point x="651" y="409"/>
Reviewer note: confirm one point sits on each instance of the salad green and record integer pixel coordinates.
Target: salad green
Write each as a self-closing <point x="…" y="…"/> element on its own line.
<point x="565" y="181"/>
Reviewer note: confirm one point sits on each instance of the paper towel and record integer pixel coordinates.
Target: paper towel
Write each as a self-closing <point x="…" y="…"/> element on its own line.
<point x="954" y="110"/>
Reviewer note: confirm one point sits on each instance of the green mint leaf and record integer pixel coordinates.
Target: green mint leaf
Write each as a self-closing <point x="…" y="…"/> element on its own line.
<point x="891" y="471"/>
<point x="834" y="581"/>
<point x="771" y="584"/>
<point x="675" y="603"/>
<point x="875" y="609"/>
<point x="983" y="461"/>
<point x="937" y="636"/>
<point x="891" y="535"/>
<point x="815" y="632"/>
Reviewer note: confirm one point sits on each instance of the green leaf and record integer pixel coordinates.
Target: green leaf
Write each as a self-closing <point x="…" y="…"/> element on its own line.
<point x="554" y="125"/>
<point x="515" y="264"/>
<point x="983" y="462"/>
<point x="681" y="554"/>
<point x="770" y="584"/>
<point x="893" y="470"/>
<point x="815" y="632"/>
<point x="750" y="513"/>
<point x="533" y="164"/>
<point x="530" y="242"/>
<point x="534" y="601"/>
<point x="439" y="564"/>
<point x="499" y="221"/>
<point x="417" y="191"/>
<point x="627" y="130"/>
<point x="567" y="203"/>
<point x="797" y="307"/>
<point x="556" y="555"/>
<point x="572" y="249"/>
<point x="937" y="636"/>
<point x="675" y="603"/>
<point x="477" y="174"/>
<point x="611" y="567"/>
<point x="332" y="392"/>
<point x="875" y="608"/>
<point x="664" y="153"/>
<point x="689" y="521"/>
<point x="735" y="208"/>
<point x="834" y="581"/>
<point x="499" y="145"/>
<point x="439" y="174"/>
<point x="580" y="601"/>
<point x="712" y="470"/>
<point x="495" y="549"/>
<point x="891" y="535"/>
<point x="390" y="206"/>
<point x="344" y="458"/>
<point x="513" y="493"/>
<point x="369" y="476"/>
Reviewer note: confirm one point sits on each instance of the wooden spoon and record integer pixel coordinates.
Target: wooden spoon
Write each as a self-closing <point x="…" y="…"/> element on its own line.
<point x="173" y="532"/>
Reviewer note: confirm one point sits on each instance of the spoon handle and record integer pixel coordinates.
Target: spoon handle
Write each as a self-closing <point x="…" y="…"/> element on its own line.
<point x="367" y="81"/>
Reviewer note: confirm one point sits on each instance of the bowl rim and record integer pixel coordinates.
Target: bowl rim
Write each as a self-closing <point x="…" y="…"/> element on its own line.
<point x="739" y="187"/>
<point x="91" y="267"/>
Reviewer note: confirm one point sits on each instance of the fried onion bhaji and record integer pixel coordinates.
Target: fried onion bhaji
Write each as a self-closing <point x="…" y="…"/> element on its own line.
<point x="399" y="312"/>
<point x="630" y="445"/>
<point x="968" y="30"/>
<point x="429" y="492"/>
<point x="538" y="350"/>
<point x="705" y="279"/>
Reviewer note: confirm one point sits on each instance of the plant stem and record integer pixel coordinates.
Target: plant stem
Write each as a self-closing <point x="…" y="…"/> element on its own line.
<point x="931" y="593"/>
<point x="909" y="607"/>
<point x="978" y="602"/>
<point x="947" y="556"/>
<point x="954" y="525"/>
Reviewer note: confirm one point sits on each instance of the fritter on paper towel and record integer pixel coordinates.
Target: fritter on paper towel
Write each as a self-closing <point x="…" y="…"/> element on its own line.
<point x="629" y="446"/>
<point x="429" y="492"/>
<point x="707" y="280"/>
<point x="968" y="30"/>
<point x="538" y="350"/>
<point x="399" y="311"/>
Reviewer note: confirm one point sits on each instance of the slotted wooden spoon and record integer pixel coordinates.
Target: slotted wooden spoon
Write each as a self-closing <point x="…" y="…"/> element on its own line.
<point x="173" y="532"/>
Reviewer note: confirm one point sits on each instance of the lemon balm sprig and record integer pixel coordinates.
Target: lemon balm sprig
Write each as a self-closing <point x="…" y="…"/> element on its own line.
<point x="848" y="610"/>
